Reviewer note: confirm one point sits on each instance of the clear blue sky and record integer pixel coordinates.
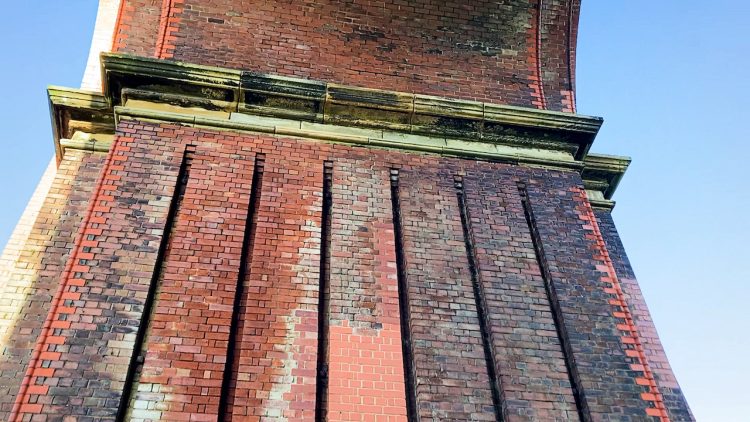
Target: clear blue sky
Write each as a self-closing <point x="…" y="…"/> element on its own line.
<point x="671" y="80"/>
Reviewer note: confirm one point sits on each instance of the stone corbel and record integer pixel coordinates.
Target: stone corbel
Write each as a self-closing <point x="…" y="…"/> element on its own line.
<point x="601" y="174"/>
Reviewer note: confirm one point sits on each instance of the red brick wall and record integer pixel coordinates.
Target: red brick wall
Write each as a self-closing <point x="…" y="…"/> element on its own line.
<point x="82" y="354"/>
<point x="34" y="277"/>
<point x="530" y="359"/>
<point x="187" y="332"/>
<point x="449" y="358"/>
<point x="277" y="345"/>
<point x="513" y="52"/>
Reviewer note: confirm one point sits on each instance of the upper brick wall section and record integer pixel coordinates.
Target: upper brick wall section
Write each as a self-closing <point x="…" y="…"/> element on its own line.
<point x="515" y="52"/>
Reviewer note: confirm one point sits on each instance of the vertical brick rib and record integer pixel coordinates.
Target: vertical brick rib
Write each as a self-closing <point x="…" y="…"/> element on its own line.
<point x="575" y="382"/>
<point x="449" y="357"/>
<point x="324" y="293"/>
<point x="530" y="364"/>
<point x="277" y="341"/>
<point x="479" y="299"/>
<point x="29" y="378"/>
<point x="570" y="41"/>
<point x="364" y="351"/>
<point x="407" y="351"/>
<point x="135" y="367"/>
<point x="229" y="380"/>
<point x="188" y="337"/>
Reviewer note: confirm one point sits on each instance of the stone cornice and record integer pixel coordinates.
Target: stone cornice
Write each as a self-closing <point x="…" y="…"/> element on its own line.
<point x="227" y="99"/>
<point x="74" y="110"/>
<point x="601" y="174"/>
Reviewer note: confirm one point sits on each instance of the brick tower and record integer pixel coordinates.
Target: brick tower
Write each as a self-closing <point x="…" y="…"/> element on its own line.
<point x="337" y="210"/>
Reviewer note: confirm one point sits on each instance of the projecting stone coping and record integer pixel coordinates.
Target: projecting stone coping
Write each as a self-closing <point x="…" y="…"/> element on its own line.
<point x="228" y="99"/>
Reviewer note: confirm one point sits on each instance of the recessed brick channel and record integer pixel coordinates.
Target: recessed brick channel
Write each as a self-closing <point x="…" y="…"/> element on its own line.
<point x="407" y="350"/>
<point x="554" y="304"/>
<point x="479" y="297"/>
<point x="324" y="299"/>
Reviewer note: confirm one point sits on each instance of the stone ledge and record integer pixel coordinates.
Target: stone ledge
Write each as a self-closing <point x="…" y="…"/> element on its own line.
<point x="188" y="85"/>
<point x="227" y="99"/>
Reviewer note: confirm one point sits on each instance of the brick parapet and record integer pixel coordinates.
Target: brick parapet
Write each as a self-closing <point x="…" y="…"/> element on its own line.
<point x="556" y="59"/>
<point x="137" y="27"/>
